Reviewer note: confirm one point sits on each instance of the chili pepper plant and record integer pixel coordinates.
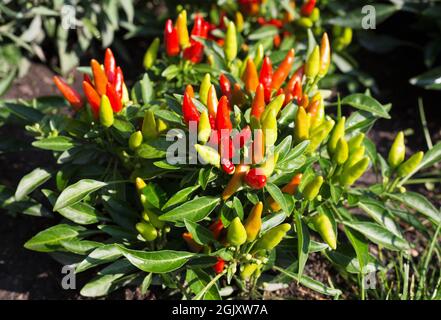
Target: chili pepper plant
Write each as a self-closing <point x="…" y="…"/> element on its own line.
<point x="225" y="186"/>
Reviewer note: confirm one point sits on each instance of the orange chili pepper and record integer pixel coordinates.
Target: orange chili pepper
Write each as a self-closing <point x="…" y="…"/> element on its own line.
<point x="283" y="70"/>
<point x="99" y="77"/>
<point x="250" y="77"/>
<point x="258" y="105"/>
<point x="289" y="188"/>
<point x="92" y="97"/>
<point x="69" y="93"/>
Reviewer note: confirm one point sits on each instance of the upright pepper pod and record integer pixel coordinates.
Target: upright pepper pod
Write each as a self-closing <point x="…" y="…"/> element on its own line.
<point x="250" y="77"/>
<point x="289" y="188"/>
<point x="204" y="127"/>
<point x="258" y="104"/>
<point x="398" y="151"/>
<point x="302" y="124"/>
<point x="203" y="90"/>
<point x="319" y="134"/>
<point x="219" y="266"/>
<point x="266" y="77"/>
<point x="194" y="52"/>
<point x="225" y="86"/>
<point x="151" y="54"/>
<point x="283" y="70"/>
<point x="337" y="133"/>
<point x="189" y="90"/>
<point x="212" y="103"/>
<point x="99" y="77"/>
<point x="106" y="112"/>
<point x="69" y="93"/>
<point x="312" y="66"/>
<point x="135" y="140"/>
<point x="312" y="189"/>
<point x="235" y="182"/>
<point x="149" y="125"/>
<point x="119" y="84"/>
<point x="248" y="270"/>
<point x="274" y="106"/>
<point x="230" y="46"/>
<point x="350" y="174"/>
<point x="325" y="56"/>
<point x="272" y="237"/>
<point x="258" y="151"/>
<point x="341" y="152"/>
<point x="171" y="40"/>
<point x="307" y="8"/>
<point x="223" y="121"/>
<point x="267" y="168"/>
<point x="355" y="142"/>
<point x="316" y="109"/>
<point x="236" y="233"/>
<point x="115" y="100"/>
<point x="149" y="215"/>
<point x="269" y="127"/>
<point x="189" y="110"/>
<point x="109" y="65"/>
<point x="410" y="164"/>
<point x="296" y="78"/>
<point x="181" y="26"/>
<point x="253" y="223"/>
<point x="354" y="156"/>
<point x="239" y="21"/>
<point x="208" y="155"/>
<point x="324" y="227"/>
<point x="260" y="52"/>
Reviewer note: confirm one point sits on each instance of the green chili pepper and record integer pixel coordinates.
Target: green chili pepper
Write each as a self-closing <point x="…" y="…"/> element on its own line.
<point x="355" y="142"/>
<point x="341" y="152"/>
<point x="269" y="127"/>
<point x="410" y="164"/>
<point x="106" y="112"/>
<point x="272" y="237"/>
<point x="398" y="151"/>
<point x="350" y="174"/>
<point x="248" y="270"/>
<point x="312" y="189"/>
<point x="302" y="124"/>
<point x="149" y="125"/>
<point x="230" y="45"/>
<point x="147" y="231"/>
<point x="260" y="52"/>
<point x="312" y="66"/>
<point x="275" y="105"/>
<point x="151" y="54"/>
<point x="324" y="227"/>
<point x="354" y="157"/>
<point x="337" y="133"/>
<point x="153" y="218"/>
<point x="236" y="233"/>
<point x="319" y="134"/>
<point x="135" y="140"/>
<point x="204" y="128"/>
<point x="205" y="86"/>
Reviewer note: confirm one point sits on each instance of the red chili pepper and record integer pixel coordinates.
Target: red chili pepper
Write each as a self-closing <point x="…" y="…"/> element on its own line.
<point x="227" y="166"/>
<point x="189" y="110"/>
<point x="266" y="77"/>
<point x="313" y="107"/>
<point x="171" y="39"/>
<point x="115" y="100"/>
<point x="258" y="105"/>
<point x="254" y="179"/>
<point x="69" y="93"/>
<point x="277" y="40"/>
<point x="283" y="70"/>
<point x="225" y="86"/>
<point x="119" y="82"/>
<point x="297" y="92"/>
<point x="307" y="8"/>
<point x="195" y="52"/>
<point x="92" y="97"/>
<point x="99" y="77"/>
<point x="109" y="65"/>
<point x="223" y="121"/>
<point x="296" y="78"/>
<point x="219" y="266"/>
<point x="216" y="228"/>
<point x="198" y="26"/>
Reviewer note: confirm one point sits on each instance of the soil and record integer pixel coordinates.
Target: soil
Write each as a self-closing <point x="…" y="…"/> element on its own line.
<point x="26" y="274"/>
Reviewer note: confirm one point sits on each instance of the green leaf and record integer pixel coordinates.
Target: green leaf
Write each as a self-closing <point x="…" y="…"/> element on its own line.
<point x="76" y="192"/>
<point x="30" y="182"/>
<point x="360" y="246"/>
<point x="146" y="283"/>
<point x="101" y="255"/>
<point x="277" y="195"/>
<point x="59" y="143"/>
<point x="81" y="247"/>
<point x="197" y="280"/>
<point x="162" y="261"/>
<point x="180" y="196"/>
<point x="379" y="235"/>
<point x="311" y="283"/>
<point x="430" y="80"/>
<point x="100" y="286"/>
<point x="200" y="234"/>
<point x="419" y="203"/>
<point x="147" y="151"/>
<point x="263" y="32"/>
<point x="154" y="195"/>
<point x="377" y="211"/>
<point x="193" y="210"/>
<point x="366" y="103"/>
<point x="50" y="239"/>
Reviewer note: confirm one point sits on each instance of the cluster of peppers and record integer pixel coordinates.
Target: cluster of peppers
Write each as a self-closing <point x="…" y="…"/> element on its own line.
<point x="105" y="92"/>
